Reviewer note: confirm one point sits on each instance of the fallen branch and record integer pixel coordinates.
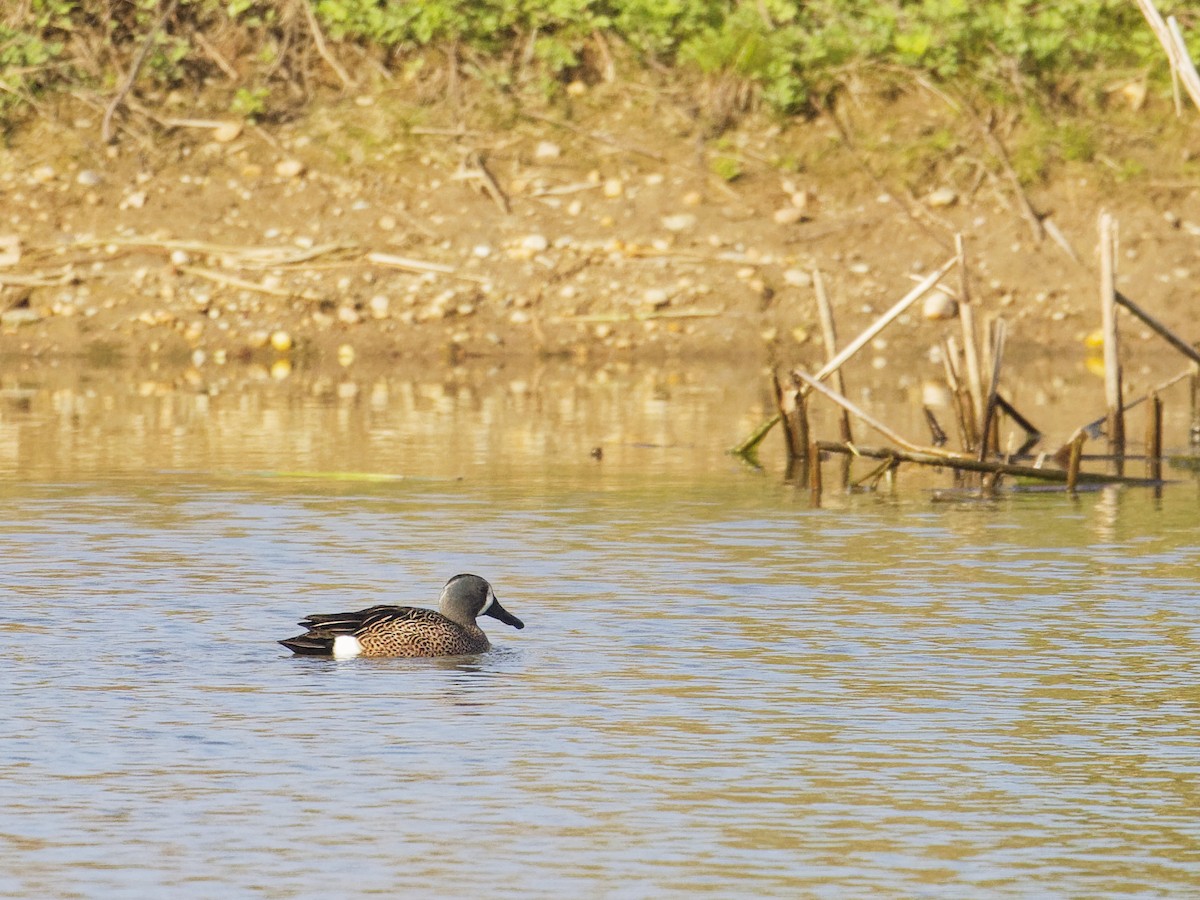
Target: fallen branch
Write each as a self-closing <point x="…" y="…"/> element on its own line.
<point x="40" y="279"/>
<point x="614" y="318"/>
<point x="244" y="284"/>
<point x="235" y="257"/>
<point x="419" y="265"/>
<point x="926" y="458"/>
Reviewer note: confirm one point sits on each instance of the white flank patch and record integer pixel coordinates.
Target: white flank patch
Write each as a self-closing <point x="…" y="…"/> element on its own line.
<point x="491" y="598"/>
<point x="346" y="646"/>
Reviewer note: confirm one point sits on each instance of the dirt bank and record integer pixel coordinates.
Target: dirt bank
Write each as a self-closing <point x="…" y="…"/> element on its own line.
<point x="375" y="227"/>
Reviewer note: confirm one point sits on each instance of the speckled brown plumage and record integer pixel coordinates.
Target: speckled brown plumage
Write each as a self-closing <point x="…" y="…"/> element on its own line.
<point x="408" y="630"/>
<point x="400" y="631"/>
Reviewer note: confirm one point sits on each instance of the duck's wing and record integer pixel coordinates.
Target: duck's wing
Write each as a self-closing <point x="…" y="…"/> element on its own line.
<point x="353" y="622"/>
<point x="324" y="628"/>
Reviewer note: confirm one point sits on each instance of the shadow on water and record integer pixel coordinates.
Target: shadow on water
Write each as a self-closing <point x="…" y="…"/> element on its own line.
<point x="720" y="688"/>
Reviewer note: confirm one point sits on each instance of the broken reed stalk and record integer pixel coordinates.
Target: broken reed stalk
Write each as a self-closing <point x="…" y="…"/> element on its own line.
<point x="936" y="433"/>
<point x="1093" y="428"/>
<point x="990" y="425"/>
<point x="871" y="422"/>
<point x="829" y="334"/>
<point x="925" y="458"/>
<point x="1154" y="413"/>
<point x="932" y="456"/>
<point x="1032" y="433"/>
<point x="788" y="438"/>
<point x="1176" y="50"/>
<point x="1076" y="446"/>
<point x="1159" y="328"/>
<point x="814" y="473"/>
<point x="1108" y="311"/>
<point x="747" y="446"/>
<point x="884" y="320"/>
<point x="802" y="434"/>
<point x="962" y="399"/>
<point x="1194" y="431"/>
<point x="966" y="314"/>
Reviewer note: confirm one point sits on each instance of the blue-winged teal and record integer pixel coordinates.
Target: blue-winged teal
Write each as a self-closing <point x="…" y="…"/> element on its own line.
<point x="407" y="630"/>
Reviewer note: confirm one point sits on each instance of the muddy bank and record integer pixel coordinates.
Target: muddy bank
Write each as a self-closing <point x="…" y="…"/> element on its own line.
<point x="377" y="229"/>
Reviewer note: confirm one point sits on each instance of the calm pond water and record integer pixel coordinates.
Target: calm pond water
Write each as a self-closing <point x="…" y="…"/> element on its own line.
<point x="719" y="690"/>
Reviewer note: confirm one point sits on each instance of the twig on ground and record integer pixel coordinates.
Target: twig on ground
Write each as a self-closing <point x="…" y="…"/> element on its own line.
<point x="106" y="133"/>
<point x="319" y="41"/>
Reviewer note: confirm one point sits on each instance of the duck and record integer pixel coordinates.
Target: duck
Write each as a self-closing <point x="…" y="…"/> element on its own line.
<point x="410" y="631"/>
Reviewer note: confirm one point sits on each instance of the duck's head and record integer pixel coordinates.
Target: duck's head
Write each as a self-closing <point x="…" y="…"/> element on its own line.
<point x="466" y="597"/>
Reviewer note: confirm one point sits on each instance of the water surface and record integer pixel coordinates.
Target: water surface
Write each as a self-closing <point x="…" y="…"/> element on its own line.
<point x="720" y="688"/>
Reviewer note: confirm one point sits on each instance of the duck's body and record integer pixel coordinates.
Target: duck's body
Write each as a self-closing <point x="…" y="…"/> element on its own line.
<point x="407" y="630"/>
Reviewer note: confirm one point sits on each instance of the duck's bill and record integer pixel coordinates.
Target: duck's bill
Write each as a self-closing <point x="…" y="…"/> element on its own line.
<point x="496" y="611"/>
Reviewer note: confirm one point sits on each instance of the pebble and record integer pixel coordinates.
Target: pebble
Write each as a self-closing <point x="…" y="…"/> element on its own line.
<point x="943" y="196"/>
<point x="21" y="315"/>
<point x="10" y="249"/>
<point x="614" y="188"/>
<point x="289" y="168"/>
<point x="481" y="251"/>
<point x="519" y="317"/>
<point x="547" y="150"/>
<point x="939" y="305"/>
<point x="656" y="298"/>
<point x="860" y="269"/>
<point x="379" y="306"/>
<point x="802" y="199"/>
<point x="679" y="222"/>
<point x="345" y="355"/>
<point x="89" y="178"/>
<point x="42" y="174"/>
<point x="935" y="394"/>
<point x="134" y="200"/>
<point x="348" y="315"/>
<point x="535" y="243"/>
<point x="180" y="258"/>
<point x="227" y="132"/>
<point x="387" y="223"/>
<point x="692" y="198"/>
<point x="797" y="278"/>
<point x="281" y="341"/>
<point x="788" y="215"/>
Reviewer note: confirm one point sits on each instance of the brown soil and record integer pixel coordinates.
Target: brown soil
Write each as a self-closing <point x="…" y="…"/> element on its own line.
<point x="619" y="237"/>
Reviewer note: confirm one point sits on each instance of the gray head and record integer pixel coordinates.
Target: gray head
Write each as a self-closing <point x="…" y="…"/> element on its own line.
<point x="466" y="597"/>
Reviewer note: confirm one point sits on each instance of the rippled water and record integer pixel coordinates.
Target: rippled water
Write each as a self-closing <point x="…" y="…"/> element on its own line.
<point x="720" y="689"/>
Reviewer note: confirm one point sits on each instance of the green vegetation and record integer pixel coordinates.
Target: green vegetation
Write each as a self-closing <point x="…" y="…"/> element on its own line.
<point x="780" y="53"/>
